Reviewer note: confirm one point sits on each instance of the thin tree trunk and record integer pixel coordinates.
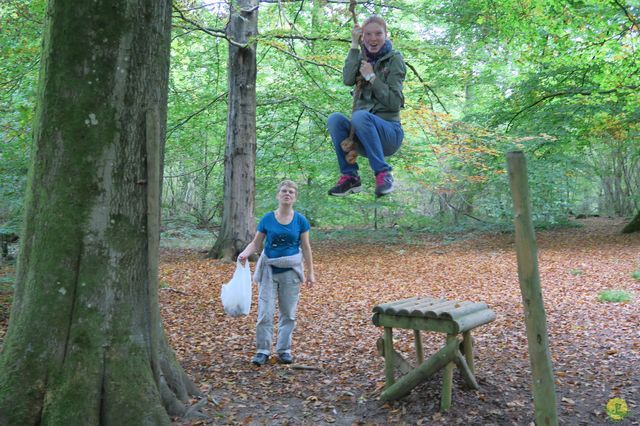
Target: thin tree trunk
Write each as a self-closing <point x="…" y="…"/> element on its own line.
<point x="317" y="18"/>
<point x="238" y="222"/>
<point x="544" y="397"/>
<point x="85" y="344"/>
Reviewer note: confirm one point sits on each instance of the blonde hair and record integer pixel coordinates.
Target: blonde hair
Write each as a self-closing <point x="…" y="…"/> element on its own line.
<point x="375" y="19"/>
<point x="288" y="183"/>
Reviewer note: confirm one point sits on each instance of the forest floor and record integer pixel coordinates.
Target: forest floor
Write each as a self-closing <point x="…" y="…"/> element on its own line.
<point x="595" y="346"/>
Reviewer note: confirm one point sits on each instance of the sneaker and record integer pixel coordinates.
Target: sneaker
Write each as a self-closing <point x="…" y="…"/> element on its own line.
<point x="259" y="359"/>
<point x="384" y="183"/>
<point x="285" y="358"/>
<point x="346" y="185"/>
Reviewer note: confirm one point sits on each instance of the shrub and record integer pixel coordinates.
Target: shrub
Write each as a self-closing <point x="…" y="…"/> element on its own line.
<point x="615" y="296"/>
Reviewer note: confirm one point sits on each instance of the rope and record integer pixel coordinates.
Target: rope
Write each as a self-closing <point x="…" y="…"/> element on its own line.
<point x="352" y="9"/>
<point x="349" y="144"/>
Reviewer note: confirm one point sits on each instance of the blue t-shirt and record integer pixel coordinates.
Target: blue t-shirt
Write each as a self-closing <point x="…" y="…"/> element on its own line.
<point x="282" y="240"/>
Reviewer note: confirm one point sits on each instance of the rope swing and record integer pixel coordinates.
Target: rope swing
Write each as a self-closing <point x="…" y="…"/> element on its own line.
<point x="349" y="145"/>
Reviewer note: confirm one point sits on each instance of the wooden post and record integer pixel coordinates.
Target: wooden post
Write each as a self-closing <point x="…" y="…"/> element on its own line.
<point x="388" y="357"/>
<point x="466" y="373"/>
<point x="417" y="341"/>
<point x="544" y="394"/>
<point x="467" y="344"/>
<point x="447" y="379"/>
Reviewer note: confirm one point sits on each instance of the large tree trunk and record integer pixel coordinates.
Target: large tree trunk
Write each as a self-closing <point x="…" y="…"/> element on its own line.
<point x="85" y="344"/>
<point x="238" y="222"/>
<point x="633" y="226"/>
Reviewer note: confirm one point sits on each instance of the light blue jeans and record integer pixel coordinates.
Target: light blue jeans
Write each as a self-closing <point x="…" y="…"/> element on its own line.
<point x="378" y="137"/>
<point x="285" y="287"/>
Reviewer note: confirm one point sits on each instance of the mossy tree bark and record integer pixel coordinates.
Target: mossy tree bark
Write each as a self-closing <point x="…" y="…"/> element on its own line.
<point x="238" y="221"/>
<point x="85" y="344"/>
<point x="633" y="226"/>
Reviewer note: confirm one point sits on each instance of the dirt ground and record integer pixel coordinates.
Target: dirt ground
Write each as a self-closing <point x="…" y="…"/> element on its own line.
<point x="595" y="346"/>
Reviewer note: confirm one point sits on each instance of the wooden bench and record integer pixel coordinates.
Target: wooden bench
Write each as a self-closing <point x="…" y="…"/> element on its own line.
<point x="440" y="315"/>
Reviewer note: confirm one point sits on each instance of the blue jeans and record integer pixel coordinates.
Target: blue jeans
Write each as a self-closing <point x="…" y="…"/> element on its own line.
<point x="378" y="138"/>
<point x="285" y="288"/>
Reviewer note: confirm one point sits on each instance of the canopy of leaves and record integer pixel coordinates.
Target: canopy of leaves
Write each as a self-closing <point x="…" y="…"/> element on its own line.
<point x="556" y="79"/>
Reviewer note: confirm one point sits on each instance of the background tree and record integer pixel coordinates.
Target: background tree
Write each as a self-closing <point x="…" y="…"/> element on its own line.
<point x="238" y="222"/>
<point x="633" y="226"/>
<point x="85" y="342"/>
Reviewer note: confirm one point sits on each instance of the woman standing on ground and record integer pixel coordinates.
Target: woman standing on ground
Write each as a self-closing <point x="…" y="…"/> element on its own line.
<point x="279" y="272"/>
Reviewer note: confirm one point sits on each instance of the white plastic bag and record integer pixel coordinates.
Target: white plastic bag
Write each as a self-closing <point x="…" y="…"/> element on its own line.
<point x="236" y="294"/>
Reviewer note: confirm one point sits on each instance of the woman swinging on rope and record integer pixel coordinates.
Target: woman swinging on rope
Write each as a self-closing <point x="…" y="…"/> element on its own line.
<point x="374" y="130"/>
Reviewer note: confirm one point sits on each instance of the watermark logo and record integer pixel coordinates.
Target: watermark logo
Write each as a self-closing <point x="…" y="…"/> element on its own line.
<point x="617" y="409"/>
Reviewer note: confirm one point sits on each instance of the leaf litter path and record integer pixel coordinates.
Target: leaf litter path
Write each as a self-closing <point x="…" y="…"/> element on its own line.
<point x="595" y="346"/>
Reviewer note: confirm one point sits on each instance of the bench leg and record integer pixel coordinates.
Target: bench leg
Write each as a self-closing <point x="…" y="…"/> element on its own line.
<point x="466" y="373"/>
<point x="398" y="360"/>
<point x="418" y="375"/>
<point x="467" y="344"/>
<point x="388" y="357"/>
<point x="417" y="340"/>
<point x="447" y="381"/>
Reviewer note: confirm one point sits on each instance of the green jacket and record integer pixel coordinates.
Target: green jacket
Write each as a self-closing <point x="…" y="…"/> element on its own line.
<point x="384" y="97"/>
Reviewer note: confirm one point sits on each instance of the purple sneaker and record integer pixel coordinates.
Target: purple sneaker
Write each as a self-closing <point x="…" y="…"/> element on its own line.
<point x="346" y="185"/>
<point x="384" y="183"/>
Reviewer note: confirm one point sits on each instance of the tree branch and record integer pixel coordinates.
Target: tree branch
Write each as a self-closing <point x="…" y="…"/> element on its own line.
<point x="428" y="88"/>
<point x="275" y="46"/>
<point x="365" y="3"/>
<point x="451" y="206"/>
<point x="570" y="92"/>
<point x="210" y="31"/>
<point x="190" y="172"/>
<point x="630" y="17"/>
<point x="183" y="121"/>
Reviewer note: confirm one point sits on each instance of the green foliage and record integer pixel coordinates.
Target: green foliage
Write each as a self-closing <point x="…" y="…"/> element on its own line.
<point x="636" y="274"/>
<point x="21" y="24"/>
<point x="7" y="287"/>
<point x="615" y="296"/>
<point x="11" y="194"/>
<point x="7" y="279"/>
<point x="554" y="79"/>
<point x="576" y="271"/>
<point x="393" y="235"/>
<point x="186" y="237"/>
<point x="360" y="235"/>
<point x="194" y="151"/>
